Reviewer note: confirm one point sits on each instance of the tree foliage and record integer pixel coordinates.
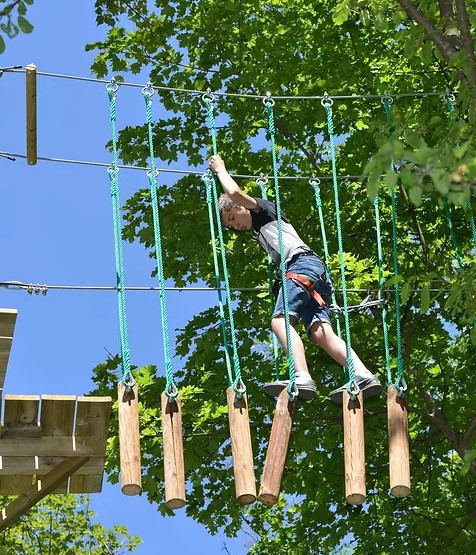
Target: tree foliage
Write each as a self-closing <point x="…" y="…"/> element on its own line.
<point x="360" y="49"/>
<point x="65" y="525"/>
<point x="13" y="20"/>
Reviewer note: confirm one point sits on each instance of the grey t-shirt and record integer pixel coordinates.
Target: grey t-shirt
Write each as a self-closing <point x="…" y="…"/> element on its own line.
<point x="265" y="227"/>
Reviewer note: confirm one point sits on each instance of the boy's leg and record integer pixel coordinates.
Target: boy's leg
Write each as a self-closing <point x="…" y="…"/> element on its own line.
<point x="323" y="335"/>
<point x="278" y="325"/>
<point x="305" y="384"/>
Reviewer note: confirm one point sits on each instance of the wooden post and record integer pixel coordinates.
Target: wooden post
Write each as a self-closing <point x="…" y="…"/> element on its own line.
<point x="241" y="449"/>
<point x="129" y="444"/>
<point x="398" y="445"/>
<point x="354" y="449"/>
<point x="31" y="136"/>
<point x="174" y="471"/>
<point x="277" y="449"/>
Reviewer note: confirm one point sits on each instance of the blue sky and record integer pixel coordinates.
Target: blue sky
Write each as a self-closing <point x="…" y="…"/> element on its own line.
<point x="57" y="230"/>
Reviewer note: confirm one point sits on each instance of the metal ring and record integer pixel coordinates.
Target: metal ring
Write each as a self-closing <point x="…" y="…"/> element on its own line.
<point x="450" y="96"/>
<point x="208" y="96"/>
<point x="240" y="388"/>
<point x="149" y="173"/>
<point x="112" y="86"/>
<point x="128" y="381"/>
<point x="262" y="180"/>
<point x="293" y="391"/>
<point x="353" y="389"/>
<point x="314" y="181"/>
<point x="267" y="100"/>
<point x="171" y="392"/>
<point x="327" y="101"/>
<point x="386" y="98"/>
<point x="148" y="90"/>
<point x="401" y="386"/>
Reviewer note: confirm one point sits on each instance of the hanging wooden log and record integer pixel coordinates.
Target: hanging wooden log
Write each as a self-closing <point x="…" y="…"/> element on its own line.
<point x="398" y="444"/>
<point x="241" y="449"/>
<point x="277" y="449"/>
<point x="354" y="449"/>
<point x="129" y="443"/>
<point x="31" y="133"/>
<point x="174" y="471"/>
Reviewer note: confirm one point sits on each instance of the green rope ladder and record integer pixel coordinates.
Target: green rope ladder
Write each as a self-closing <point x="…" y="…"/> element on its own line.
<point x="261" y="182"/>
<point x="171" y="390"/>
<point x="292" y="388"/>
<point x="113" y="171"/>
<point x="352" y="387"/>
<point x="234" y="376"/>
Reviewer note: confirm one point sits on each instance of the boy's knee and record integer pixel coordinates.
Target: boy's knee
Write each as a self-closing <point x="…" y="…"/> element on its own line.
<point x="321" y="333"/>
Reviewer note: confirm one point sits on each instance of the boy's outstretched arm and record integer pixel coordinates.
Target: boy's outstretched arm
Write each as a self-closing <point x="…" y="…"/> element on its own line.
<point x="230" y="186"/>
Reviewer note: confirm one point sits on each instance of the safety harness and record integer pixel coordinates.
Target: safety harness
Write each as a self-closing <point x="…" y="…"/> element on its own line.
<point x="308" y="285"/>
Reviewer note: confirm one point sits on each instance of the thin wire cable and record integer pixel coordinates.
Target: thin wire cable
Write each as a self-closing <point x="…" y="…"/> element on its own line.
<point x="231" y="95"/>
<point x="12" y="155"/>
<point x="44" y="287"/>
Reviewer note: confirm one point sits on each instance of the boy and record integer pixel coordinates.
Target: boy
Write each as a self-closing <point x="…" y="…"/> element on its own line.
<point x="243" y="212"/>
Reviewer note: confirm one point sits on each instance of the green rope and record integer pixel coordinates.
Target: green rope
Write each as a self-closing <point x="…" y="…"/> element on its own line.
<point x="454" y="240"/>
<point x="352" y="387"/>
<point x="400" y="384"/>
<point x="113" y="171"/>
<point x="261" y="182"/>
<point x="292" y="389"/>
<point x="171" y="390"/>
<point x="235" y="381"/>
<point x="381" y="280"/>
<point x="317" y="197"/>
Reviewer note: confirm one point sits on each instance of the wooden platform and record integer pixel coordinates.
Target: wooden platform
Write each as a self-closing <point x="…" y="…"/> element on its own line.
<point x="8" y="317"/>
<point x="38" y="433"/>
<point x="48" y="443"/>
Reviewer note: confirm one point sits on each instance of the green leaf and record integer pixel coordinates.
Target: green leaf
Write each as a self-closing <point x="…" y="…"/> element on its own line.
<point x="22" y="8"/>
<point x="416" y="194"/>
<point x="406" y="290"/>
<point x="2" y="45"/>
<point x="425" y="299"/>
<point x="469" y="457"/>
<point x="24" y="24"/>
<point x="393" y="280"/>
<point x="341" y="13"/>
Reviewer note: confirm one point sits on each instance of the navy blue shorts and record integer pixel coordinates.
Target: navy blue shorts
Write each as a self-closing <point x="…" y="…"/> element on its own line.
<point x="301" y="304"/>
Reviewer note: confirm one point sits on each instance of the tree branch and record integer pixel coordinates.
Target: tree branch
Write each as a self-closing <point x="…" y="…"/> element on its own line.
<point x="468" y="44"/>
<point x="468" y="434"/>
<point x="444" y="46"/>
<point x="450" y="28"/>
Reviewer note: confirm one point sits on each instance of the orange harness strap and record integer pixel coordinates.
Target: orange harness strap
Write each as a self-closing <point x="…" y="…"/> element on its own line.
<point x="308" y="285"/>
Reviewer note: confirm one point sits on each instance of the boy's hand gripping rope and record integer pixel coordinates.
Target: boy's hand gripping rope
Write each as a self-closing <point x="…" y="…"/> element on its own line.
<point x="212" y="201"/>
<point x="171" y="390"/>
<point x="113" y="171"/>
<point x="292" y="388"/>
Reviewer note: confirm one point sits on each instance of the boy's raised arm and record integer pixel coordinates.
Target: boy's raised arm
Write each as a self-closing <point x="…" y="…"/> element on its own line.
<point x="230" y="186"/>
